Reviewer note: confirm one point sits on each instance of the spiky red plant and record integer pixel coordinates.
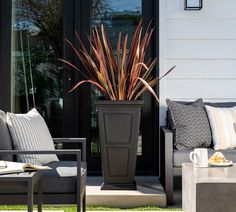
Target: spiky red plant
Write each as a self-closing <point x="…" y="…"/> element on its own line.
<point x="122" y="77"/>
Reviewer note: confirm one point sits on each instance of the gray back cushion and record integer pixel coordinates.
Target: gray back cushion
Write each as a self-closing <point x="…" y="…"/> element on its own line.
<point x="221" y="104"/>
<point x="5" y="139"/>
<point x="190" y="124"/>
<point x="30" y="132"/>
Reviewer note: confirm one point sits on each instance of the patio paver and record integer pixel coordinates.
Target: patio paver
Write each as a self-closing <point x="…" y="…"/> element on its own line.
<point x="149" y="192"/>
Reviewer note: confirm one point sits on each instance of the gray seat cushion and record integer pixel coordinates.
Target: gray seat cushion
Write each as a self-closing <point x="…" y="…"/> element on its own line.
<point x="5" y="139"/>
<point x="64" y="174"/>
<point x="181" y="156"/>
<point x="61" y="179"/>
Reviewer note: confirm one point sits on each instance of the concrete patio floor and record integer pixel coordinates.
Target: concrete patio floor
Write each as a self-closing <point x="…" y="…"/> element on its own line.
<point x="63" y="211"/>
<point x="149" y="193"/>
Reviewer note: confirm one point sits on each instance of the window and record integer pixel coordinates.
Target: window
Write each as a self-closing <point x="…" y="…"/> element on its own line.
<point x="36" y="72"/>
<point x="116" y="16"/>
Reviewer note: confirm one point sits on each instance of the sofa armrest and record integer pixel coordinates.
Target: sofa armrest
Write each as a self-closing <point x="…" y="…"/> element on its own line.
<point x="73" y="140"/>
<point x="167" y="139"/>
<point x="76" y="152"/>
<point x="166" y="144"/>
<point x="166" y="157"/>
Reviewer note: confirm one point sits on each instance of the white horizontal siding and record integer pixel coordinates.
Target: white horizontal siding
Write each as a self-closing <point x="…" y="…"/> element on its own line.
<point x="212" y="9"/>
<point x="202" y="45"/>
<point x="206" y="99"/>
<point x="201" y="49"/>
<point x="203" y="69"/>
<point x="201" y="88"/>
<point x="200" y="29"/>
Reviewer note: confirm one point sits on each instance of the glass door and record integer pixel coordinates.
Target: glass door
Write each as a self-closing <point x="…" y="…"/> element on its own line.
<point x="39" y="80"/>
<point x="116" y="16"/>
<point x="122" y="16"/>
<point x="37" y="43"/>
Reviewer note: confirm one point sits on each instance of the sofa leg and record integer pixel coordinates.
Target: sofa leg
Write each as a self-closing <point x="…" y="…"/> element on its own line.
<point x="170" y="198"/>
<point x="84" y="202"/>
<point x="169" y="187"/>
<point x="78" y="205"/>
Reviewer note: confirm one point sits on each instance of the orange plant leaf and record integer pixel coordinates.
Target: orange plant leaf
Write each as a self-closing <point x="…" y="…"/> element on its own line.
<point x="88" y="81"/>
<point x="149" y="88"/>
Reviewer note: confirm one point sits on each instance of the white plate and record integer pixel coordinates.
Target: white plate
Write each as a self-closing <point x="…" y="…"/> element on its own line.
<point x="227" y="163"/>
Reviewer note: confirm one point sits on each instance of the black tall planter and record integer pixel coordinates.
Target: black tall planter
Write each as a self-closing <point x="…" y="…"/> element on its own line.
<point x="118" y="123"/>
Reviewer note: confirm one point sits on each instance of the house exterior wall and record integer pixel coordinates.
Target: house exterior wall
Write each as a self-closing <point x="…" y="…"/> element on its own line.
<point x="202" y="45"/>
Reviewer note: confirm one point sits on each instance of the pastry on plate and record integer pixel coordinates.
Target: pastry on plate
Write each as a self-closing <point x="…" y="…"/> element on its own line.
<point x="217" y="157"/>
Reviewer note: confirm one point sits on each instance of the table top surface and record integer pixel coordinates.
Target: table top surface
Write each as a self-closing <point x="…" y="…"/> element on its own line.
<point x="210" y="174"/>
<point x="20" y="176"/>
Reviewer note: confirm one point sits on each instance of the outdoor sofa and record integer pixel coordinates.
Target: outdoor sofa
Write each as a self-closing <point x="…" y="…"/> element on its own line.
<point x="64" y="183"/>
<point x="171" y="159"/>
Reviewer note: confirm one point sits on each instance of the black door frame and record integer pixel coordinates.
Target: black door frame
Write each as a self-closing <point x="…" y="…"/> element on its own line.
<point x="71" y="21"/>
<point x="5" y="55"/>
<point x="77" y="16"/>
<point x="150" y="11"/>
<point x="149" y="166"/>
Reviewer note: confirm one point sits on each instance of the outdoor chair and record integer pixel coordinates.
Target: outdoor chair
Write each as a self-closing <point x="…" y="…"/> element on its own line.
<point x="64" y="183"/>
<point x="172" y="158"/>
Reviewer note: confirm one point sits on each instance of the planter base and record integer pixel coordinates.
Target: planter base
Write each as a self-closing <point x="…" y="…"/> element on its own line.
<point x="119" y="186"/>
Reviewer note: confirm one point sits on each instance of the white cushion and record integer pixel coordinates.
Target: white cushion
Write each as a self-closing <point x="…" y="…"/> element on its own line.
<point x="222" y="122"/>
<point x="30" y="132"/>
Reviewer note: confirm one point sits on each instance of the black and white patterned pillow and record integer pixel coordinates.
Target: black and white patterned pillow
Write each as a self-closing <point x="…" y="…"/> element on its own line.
<point x="190" y="124"/>
<point x="197" y="103"/>
<point x="30" y="132"/>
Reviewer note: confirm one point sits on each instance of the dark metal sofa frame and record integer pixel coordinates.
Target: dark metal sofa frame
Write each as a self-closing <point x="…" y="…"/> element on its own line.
<point x="79" y="198"/>
<point x="166" y="161"/>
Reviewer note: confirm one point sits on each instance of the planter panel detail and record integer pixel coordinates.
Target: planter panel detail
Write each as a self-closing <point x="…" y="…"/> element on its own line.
<point x="118" y="130"/>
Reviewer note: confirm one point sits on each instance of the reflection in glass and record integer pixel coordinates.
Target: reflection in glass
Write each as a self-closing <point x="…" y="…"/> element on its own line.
<point x="116" y="16"/>
<point x="36" y="73"/>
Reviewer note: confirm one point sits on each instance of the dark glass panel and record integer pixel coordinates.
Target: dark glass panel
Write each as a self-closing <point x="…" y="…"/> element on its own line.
<point x="116" y="16"/>
<point x="36" y="46"/>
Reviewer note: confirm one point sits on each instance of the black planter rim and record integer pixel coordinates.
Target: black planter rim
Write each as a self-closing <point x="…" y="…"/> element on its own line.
<point x="119" y="102"/>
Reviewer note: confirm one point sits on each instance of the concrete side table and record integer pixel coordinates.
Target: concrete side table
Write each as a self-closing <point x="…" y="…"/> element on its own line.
<point x="26" y="179"/>
<point x="211" y="189"/>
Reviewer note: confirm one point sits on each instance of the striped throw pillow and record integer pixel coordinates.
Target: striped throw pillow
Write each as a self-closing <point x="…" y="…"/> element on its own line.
<point x="222" y="122"/>
<point x="30" y="132"/>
